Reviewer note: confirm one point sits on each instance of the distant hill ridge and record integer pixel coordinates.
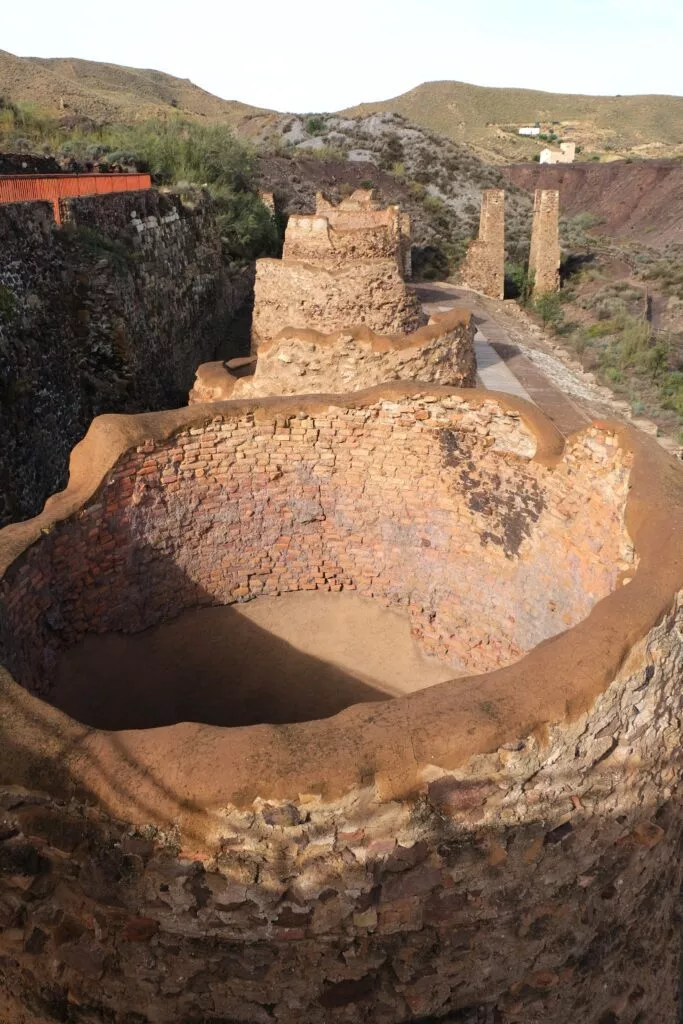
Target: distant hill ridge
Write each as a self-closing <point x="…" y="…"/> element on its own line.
<point x="109" y="93"/>
<point x="486" y="118"/>
<point x="483" y="118"/>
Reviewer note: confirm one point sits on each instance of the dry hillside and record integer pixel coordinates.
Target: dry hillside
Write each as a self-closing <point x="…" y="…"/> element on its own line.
<point x="633" y="202"/>
<point x="484" y="119"/>
<point x="487" y="119"/>
<point x="107" y="93"/>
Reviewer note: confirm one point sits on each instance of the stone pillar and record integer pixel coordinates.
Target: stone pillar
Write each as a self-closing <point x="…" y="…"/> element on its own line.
<point x="544" y="255"/>
<point x="268" y="200"/>
<point x="406" y="247"/>
<point x="322" y="203"/>
<point x="483" y="268"/>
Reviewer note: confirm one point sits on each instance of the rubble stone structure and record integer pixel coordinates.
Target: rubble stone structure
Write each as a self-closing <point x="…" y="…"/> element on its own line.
<point x="362" y="211"/>
<point x="503" y="846"/>
<point x="302" y="360"/>
<point x="544" y="254"/>
<point x="342" y="266"/>
<point x="483" y="268"/>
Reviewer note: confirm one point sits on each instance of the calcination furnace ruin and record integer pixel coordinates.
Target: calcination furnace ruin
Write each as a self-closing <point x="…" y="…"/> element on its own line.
<point x="502" y="846"/>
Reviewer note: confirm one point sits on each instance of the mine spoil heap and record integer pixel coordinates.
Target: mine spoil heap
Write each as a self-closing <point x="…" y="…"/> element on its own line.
<point x="502" y="845"/>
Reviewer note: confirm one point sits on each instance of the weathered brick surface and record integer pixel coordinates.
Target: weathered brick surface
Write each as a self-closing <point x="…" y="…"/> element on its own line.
<point x="534" y="881"/>
<point x="299" y="360"/>
<point x="429" y="507"/>
<point x="544" y="254"/>
<point x="483" y="267"/>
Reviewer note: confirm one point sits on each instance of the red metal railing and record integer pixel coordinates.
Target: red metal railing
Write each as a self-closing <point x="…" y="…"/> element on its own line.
<point x="22" y="188"/>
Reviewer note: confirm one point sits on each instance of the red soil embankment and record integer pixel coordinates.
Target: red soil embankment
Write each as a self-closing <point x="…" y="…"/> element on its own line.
<point x="641" y="201"/>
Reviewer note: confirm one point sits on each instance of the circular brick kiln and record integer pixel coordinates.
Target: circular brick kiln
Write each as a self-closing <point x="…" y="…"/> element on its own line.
<point x="503" y="846"/>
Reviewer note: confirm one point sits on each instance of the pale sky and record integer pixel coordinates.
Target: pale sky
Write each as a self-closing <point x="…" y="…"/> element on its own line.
<point x="312" y="55"/>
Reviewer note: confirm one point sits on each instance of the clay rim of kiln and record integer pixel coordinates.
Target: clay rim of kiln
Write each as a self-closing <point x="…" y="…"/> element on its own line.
<point x="439" y="325"/>
<point x="184" y="775"/>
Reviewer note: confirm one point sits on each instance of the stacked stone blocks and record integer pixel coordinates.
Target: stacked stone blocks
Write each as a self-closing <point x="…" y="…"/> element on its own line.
<point x="544" y="254"/>
<point x="306" y="360"/>
<point x="341" y="267"/>
<point x="484" y="266"/>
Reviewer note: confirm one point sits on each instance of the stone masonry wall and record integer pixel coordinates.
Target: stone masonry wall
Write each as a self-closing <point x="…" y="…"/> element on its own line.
<point x="531" y="879"/>
<point x="317" y="239"/>
<point x="370" y="293"/>
<point x="113" y="314"/>
<point x="483" y="267"/>
<point x="536" y="884"/>
<point x="544" y="254"/>
<point x="299" y="360"/>
<point x="357" y="228"/>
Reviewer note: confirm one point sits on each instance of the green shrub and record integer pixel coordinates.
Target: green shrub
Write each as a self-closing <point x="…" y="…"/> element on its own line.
<point x="433" y="204"/>
<point x="430" y="262"/>
<point x="549" y="308"/>
<point x="247" y="228"/>
<point x="518" y="283"/>
<point x="315" y="125"/>
<point x="672" y="392"/>
<point x="601" y="330"/>
<point x="392" y="152"/>
<point x="92" y="240"/>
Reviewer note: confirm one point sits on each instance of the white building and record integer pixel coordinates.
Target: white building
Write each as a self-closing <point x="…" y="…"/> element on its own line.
<point x="564" y="155"/>
<point x="529" y="131"/>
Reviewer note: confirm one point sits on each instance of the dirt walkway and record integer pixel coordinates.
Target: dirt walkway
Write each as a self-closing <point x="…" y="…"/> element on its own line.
<point x="568" y="396"/>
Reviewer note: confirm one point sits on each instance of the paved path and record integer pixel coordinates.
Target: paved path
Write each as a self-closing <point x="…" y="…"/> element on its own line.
<point x="492" y="372"/>
<point x="501" y="366"/>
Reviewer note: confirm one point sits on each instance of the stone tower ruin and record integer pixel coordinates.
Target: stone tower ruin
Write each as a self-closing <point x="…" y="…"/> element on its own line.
<point x="340" y="266"/>
<point x="483" y="269"/>
<point x="544" y="255"/>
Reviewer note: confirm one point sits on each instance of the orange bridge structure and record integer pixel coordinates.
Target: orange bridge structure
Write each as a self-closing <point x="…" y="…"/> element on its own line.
<point x="22" y="188"/>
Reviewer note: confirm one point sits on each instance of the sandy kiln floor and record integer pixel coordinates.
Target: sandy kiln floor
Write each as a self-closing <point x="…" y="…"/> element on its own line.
<point x="276" y="659"/>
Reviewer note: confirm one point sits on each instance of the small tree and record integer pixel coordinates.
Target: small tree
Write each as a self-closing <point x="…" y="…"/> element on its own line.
<point x="519" y="283"/>
<point x="315" y="124"/>
<point x="549" y="308"/>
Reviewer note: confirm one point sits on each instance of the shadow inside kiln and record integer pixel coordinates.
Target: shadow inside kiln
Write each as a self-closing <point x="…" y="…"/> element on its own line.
<point x="307" y="655"/>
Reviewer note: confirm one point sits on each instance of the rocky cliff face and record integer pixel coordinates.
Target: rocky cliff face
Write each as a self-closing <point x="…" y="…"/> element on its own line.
<point x="113" y="313"/>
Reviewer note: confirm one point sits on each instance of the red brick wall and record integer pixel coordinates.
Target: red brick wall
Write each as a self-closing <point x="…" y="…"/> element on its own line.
<point x="428" y="505"/>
